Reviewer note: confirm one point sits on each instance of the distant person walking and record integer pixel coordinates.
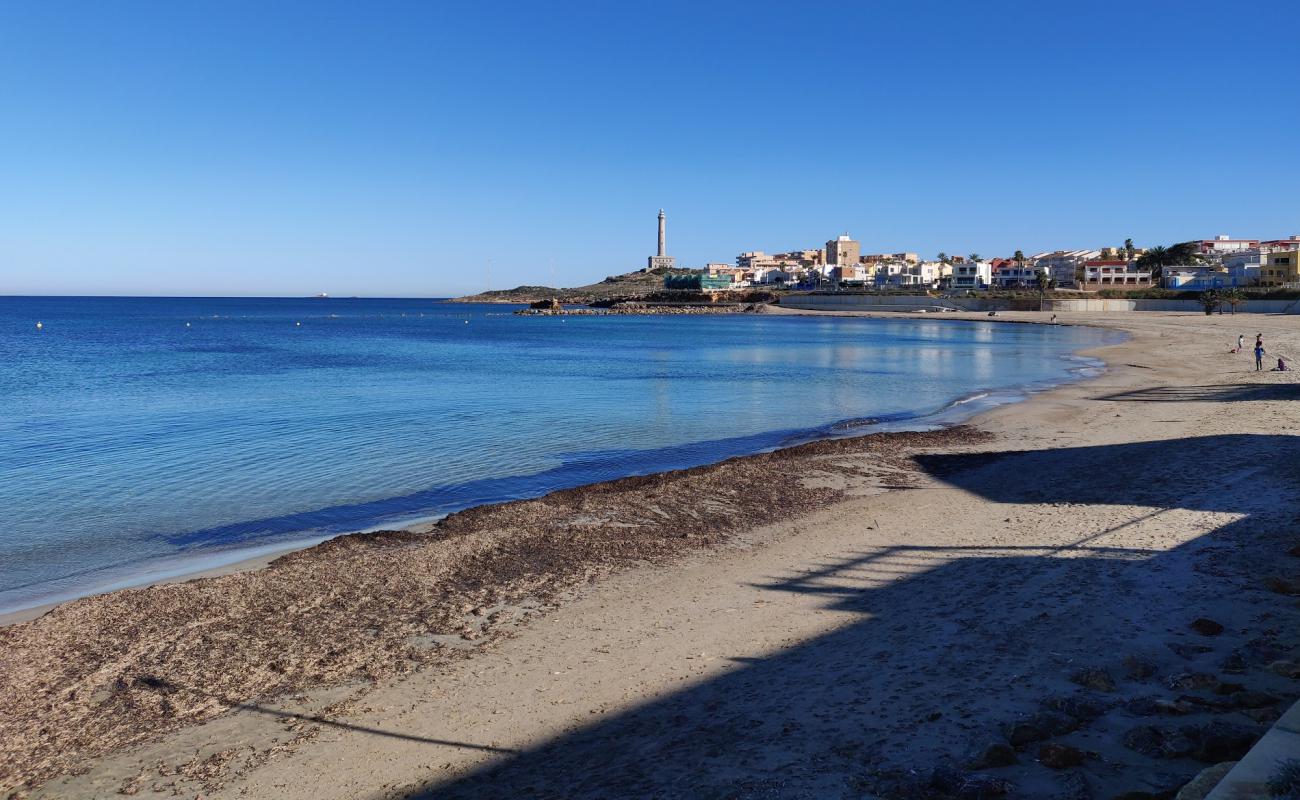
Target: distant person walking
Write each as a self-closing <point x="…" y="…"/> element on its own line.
<point x="1241" y="342"/>
<point x="1259" y="355"/>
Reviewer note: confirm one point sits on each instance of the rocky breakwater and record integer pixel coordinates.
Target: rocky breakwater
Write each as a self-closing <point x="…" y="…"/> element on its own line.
<point x="553" y="308"/>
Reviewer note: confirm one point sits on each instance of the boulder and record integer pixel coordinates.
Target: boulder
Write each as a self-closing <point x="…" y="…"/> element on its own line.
<point x="1217" y="741"/>
<point x="1137" y="669"/>
<point x="1094" y="678"/>
<point x="1287" y="669"/>
<point x="1265" y="716"/>
<point x="998" y="754"/>
<point x="1082" y="706"/>
<point x="550" y="304"/>
<point x="1282" y="585"/>
<point x="1193" y="680"/>
<point x="1040" y="726"/>
<point x="1188" y="651"/>
<point x="1206" y="627"/>
<point x="1156" y="742"/>
<point x="1059" y="756"/>
<point x="1255" y="700"/>
<point x="1234" y="663"/>
<point x="1200" y="786"/>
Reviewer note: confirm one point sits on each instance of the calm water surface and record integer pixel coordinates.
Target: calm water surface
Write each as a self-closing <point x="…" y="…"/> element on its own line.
<point x="145" y="437"/>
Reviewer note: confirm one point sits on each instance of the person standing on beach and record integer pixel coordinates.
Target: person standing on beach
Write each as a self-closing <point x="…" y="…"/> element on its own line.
<point x="1259" y="354"/>
<point x="1241" y="342"/>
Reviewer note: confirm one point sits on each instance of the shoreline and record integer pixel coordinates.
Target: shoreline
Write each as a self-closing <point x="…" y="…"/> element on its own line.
<point x="603" y="554"/>
<point x="954" y="412"/>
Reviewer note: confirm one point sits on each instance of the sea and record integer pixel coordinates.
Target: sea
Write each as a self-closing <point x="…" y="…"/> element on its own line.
<point x="147" y="438"/>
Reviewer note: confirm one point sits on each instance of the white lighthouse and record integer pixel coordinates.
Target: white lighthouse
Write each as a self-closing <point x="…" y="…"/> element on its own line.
<point x="661" y="260"/>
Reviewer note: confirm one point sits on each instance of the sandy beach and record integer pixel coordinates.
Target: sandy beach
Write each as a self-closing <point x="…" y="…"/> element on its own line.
<point x="1089" y="594"/>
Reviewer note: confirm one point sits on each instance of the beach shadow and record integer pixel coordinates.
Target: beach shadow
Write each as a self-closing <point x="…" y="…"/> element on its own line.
<point x="1209" y="394"/>
<point x="944" y="639"/>
<point x="165" y="686"/>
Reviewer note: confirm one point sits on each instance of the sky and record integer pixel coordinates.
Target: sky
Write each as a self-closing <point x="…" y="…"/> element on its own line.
<point x="430" y="148"/>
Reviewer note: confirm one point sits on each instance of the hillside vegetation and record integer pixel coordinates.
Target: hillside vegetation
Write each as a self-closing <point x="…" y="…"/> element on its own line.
<point x="630" y="286"/>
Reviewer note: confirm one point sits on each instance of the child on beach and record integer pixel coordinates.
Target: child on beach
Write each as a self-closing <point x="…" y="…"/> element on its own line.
<point x="1259" y="354"/>
<point x="1241" y="343"/>
<point x="1281" y="365"/>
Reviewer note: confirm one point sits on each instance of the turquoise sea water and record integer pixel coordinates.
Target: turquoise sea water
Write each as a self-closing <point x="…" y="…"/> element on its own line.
<point x="147" y="437"/>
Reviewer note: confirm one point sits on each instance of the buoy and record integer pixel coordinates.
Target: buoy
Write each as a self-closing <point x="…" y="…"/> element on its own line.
<point x="466" y="322"/>
<point x="299" y="324"/>
<point x="39" y="326"/>
<point x="187" y="324"/>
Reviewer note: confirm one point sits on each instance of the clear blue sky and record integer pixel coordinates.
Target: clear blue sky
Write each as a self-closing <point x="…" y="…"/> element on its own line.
<point x="386" y="148"/>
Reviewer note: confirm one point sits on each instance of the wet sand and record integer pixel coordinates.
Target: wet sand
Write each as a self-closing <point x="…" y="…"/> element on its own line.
<point x="834" y="619"/>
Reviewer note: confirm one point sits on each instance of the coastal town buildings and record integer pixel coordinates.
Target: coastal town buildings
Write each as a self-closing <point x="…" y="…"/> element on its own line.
<point x="1289" y="243"/>
<point x="972" y="275"/>
<point x="843" y="252"/>
<point x="1014" y="275"/>
<point x="700" y="282"/>
<point x="850" y="273"/>
<point x="1220" y="262"/>
<point x="1063" y="266"/>
<point x="1243" y="266"/>
<point x="1223" y="243"/>
<point x="1281" y="269"/>
<point x="1114" y="273"/>
<point x="1196" y="277"/>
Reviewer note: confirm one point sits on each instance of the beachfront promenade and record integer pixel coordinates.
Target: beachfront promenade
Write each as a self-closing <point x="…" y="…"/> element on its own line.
<point x="1082" y="595"/>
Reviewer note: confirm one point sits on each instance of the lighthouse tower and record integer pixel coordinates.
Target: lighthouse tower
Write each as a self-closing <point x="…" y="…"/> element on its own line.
<point x="661" y="260"/>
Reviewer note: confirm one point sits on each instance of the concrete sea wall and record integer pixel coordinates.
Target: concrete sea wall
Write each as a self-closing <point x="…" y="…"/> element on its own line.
<point x="875" y="302"/>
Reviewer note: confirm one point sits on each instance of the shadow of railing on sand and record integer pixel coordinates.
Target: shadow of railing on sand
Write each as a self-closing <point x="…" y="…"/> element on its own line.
<point x="1209" y="394"/>
<point x="163" y="685"/>
<point x="948" y="641"/>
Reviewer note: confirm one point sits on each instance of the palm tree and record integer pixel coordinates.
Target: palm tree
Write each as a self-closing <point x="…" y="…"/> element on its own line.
<point x="1019" y="257"/>
<point x="1043" y="281"/>
<point x="1156" y="259"/>
<point x="1210" y="299"/>
<point x="943" y="257"/>
<point x="1234" y="297"/>
<point x="1129" y="249"/>
<point x="974" y="257"/>
<point x="1185" y="253"/>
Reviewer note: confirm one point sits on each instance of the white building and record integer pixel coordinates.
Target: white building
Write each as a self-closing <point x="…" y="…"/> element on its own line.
<point x="1013" y="275"/>
<point x="1223" y="243"/>
<point x="972" y="275"/>
<point x="1113" y="273"/>
<point x="887" y="273"/>
<point x="1243" y="266"/>
<point x="1062" y="265"/>
<point x="1195" y="278"/>
<point x="770" y="275"/>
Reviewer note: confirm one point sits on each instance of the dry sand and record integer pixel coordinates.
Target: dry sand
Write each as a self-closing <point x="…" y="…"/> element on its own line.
<point x="835" y="620"/>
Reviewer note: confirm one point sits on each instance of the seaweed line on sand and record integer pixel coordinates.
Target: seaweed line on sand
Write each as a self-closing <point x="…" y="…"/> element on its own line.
<point x="106" y="672"/>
